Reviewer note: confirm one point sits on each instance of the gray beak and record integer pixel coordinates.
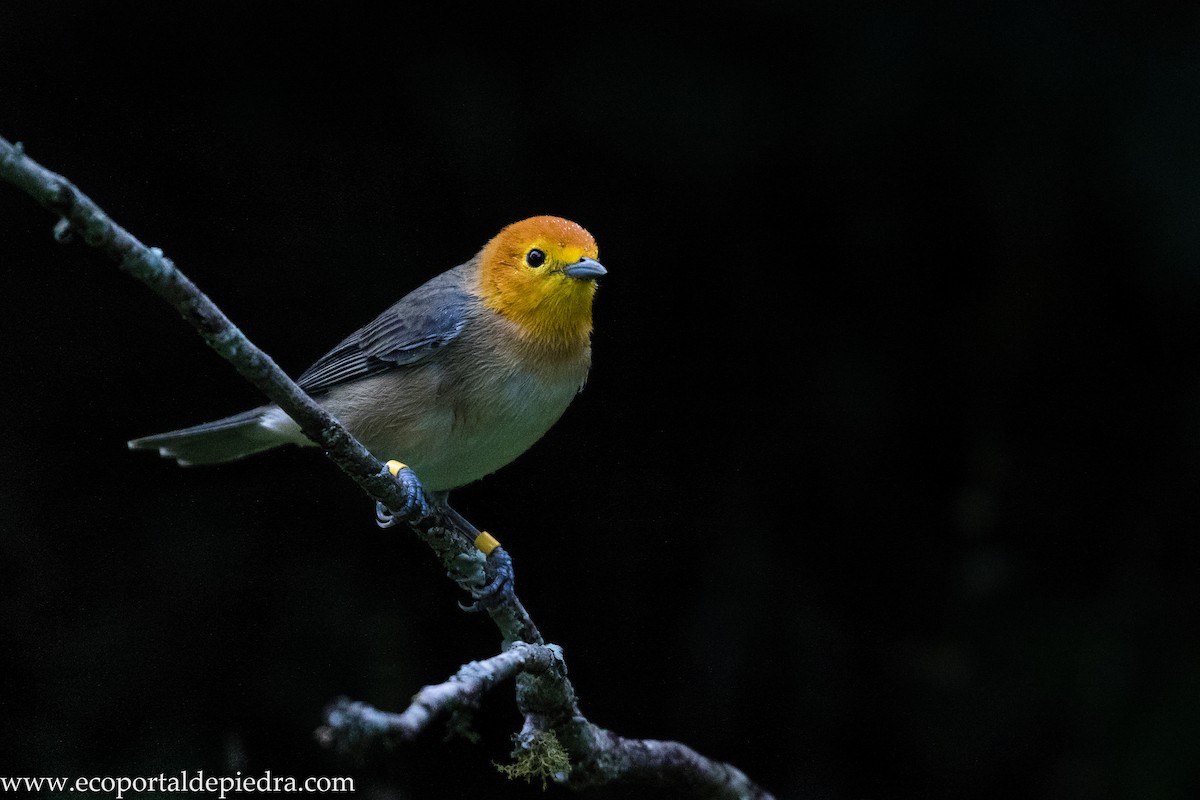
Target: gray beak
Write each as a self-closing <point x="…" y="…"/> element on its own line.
<point x="585" y="268"/>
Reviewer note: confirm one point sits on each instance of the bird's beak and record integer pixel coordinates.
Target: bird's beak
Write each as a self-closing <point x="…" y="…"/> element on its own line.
<point x="584" y="269"/>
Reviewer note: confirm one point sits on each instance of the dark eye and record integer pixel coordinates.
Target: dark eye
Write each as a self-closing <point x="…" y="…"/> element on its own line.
<point x="535" y="258"/>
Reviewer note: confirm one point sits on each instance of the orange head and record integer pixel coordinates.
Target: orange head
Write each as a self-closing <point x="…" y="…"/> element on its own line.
<point x="541" y="274"/>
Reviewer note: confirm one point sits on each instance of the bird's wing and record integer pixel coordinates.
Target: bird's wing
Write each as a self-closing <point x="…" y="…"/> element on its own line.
<point x="424" y="320"/>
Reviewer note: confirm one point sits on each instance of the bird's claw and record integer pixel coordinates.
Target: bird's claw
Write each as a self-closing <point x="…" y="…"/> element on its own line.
<point x="415" y="507"/>
<point x="498" y="568"/>
<point x="384" y="518"/>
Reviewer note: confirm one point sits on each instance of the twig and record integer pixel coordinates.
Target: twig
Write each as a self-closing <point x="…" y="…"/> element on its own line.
<point x="544" y="694"/>
<point x="348" y="720"/>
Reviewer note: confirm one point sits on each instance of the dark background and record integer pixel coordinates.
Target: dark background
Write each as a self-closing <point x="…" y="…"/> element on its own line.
<point x="885" y="481"/>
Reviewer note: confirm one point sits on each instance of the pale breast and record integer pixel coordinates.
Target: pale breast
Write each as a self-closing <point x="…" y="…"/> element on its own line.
<point x="457" y="418"/>
<point x="500" y="425"/>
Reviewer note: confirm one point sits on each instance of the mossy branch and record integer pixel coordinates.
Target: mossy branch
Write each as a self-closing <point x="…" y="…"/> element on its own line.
<point x="544" y="694"/>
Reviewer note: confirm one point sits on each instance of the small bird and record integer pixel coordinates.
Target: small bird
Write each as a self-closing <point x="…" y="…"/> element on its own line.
<point x="458" y="378"/>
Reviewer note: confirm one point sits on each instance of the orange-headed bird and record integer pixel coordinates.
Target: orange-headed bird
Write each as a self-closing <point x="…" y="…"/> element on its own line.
<point x="455" y="380"/>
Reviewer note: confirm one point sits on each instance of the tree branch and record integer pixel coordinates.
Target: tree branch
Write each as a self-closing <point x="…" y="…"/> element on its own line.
<point x="353" y="721"/>
<point x="352" y="726"/>
<point x="544" y="694"/>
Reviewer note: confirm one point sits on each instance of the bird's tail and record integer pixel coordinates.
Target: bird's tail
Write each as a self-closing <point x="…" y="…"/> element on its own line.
<point x="222" y="440"/>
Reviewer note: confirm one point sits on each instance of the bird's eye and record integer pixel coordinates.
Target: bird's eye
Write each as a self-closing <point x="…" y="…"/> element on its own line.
<point x="535" y="258"/>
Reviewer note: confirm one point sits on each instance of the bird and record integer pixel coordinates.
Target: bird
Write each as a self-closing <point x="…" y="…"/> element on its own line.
<point x="456" y="379"/>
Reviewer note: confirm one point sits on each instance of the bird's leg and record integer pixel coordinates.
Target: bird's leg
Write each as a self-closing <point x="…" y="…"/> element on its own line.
<point x="498" y="566"/>
<point x="499" y="589"/>
<point x="415" y="504"/>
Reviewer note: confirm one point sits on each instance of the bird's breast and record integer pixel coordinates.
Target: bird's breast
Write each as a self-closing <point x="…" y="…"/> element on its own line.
<point x="463" y="416"/>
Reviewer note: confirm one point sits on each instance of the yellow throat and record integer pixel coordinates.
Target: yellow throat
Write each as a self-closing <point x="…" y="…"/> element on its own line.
<point x="553" y="308"/>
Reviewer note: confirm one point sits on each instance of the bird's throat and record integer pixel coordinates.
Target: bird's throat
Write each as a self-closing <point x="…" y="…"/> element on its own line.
<point x="555" y="316"/>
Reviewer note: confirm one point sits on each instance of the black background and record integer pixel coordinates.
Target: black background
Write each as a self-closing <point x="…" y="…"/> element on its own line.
<point x="885" y="481"/>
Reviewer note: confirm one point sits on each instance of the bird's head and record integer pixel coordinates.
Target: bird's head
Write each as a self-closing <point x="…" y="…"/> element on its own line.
<point x="541" y="274"/>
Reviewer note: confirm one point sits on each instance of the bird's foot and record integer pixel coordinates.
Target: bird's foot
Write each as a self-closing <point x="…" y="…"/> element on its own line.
<point x="498" y="570"/>
<point x="416" y="506"/>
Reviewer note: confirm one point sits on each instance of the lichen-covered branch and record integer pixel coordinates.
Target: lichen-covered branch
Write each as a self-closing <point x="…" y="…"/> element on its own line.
<point x="592" y="756"/>
<point x="348" y="721"/>
<point x="612" y="758"/>
<point x="554" y="727"/>
<point x="557" y="743"/>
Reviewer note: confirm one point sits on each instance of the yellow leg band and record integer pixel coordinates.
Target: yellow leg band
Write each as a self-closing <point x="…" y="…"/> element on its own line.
<point x="486" y="542"/>
<point x="394" y="467"/>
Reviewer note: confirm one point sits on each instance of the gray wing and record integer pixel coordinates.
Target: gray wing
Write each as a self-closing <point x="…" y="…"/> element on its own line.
<point x="425" y="319"/>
